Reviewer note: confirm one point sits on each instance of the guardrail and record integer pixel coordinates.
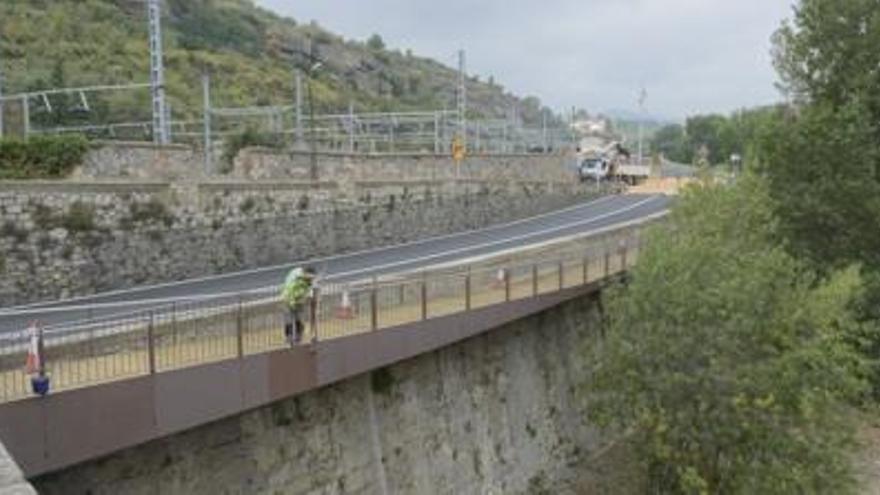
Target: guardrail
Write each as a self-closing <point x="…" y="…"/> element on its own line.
<point x="233" y="326"/>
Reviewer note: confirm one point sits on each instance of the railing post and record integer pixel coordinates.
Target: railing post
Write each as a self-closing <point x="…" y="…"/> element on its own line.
<point x="534" y="280"/>
<point x="424" y="289"/>
<point x="467" y="292"/>
<point x="586" y="270"/>
<point x="239" y="329"/>
<point x="151" y="348"/>
<point x="561" y="275"/>
<point x="313" y="313"/>
<point x="607" y="263"/>
<point x="374" y="307"/>
<point x="507" y="284"/>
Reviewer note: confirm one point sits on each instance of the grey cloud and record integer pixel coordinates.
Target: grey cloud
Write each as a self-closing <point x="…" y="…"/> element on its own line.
<point x="692" y="55"/>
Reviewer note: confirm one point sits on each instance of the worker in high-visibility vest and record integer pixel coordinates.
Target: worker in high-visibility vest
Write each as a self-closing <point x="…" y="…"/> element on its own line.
<point x="298" y="289"/>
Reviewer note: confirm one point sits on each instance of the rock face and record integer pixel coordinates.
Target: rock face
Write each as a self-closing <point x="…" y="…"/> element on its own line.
<point x="64" y="239"/>
<point x="500" y="413"/>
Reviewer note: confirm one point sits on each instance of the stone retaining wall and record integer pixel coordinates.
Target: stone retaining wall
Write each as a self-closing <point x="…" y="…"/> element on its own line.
<point x="63" y="239"/>
<point x="139" y="161"/>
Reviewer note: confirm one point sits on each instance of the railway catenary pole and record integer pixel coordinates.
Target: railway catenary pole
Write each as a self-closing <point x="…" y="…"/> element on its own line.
<point x="206" y="96"/>
<point x="26" y="115"/>
<point x="642" y="97"/>
<point x="161" y="131"/>
<point x="462" y="97"/>
<point x="299" y="107"/>
<point x="2" y="104"/>
<point x="351" y="126"/>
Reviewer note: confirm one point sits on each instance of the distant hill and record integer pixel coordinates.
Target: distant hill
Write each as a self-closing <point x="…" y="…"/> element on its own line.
<point x="52" y="43"/>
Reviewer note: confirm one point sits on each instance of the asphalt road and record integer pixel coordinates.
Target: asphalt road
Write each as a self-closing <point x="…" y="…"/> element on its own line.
<point x="582" y="218"/>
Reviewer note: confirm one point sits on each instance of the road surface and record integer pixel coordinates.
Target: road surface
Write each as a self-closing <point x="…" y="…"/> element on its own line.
<point x="582" y="218"/>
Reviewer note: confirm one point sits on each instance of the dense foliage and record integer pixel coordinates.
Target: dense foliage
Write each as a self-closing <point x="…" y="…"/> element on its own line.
<point x="752" y="322"/>
<point x="726" y="359"/>
<point x="248" y="51"/>
<point x="41" y="157"/>
<point x="823" y="162"/>
<point x="722" y="136"/>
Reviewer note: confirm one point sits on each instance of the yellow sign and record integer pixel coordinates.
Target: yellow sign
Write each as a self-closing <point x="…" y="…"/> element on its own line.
<point x="459" y="150"/>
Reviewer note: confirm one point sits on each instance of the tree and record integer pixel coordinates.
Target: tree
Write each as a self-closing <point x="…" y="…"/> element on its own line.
<point x="824" y="53"/>
<point x="705" y="130"/>
<point x="671" y="141"/>
<point x="726" y="361"/>
<point x="823" y="160"/>
<point x="376" y="43"/>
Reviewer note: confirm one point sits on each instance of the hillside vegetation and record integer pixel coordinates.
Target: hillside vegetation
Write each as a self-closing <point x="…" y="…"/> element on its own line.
<point x="244" y="47"/>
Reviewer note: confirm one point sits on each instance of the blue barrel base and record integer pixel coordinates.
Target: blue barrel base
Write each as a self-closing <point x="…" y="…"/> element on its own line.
<point x="40" y="385"/>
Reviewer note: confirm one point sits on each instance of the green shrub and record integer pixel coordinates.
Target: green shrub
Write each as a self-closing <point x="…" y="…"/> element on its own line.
<point x="248" y="205"/>
<point x="151" y="211"/>
<point x="43" y="217"/>
<point x="80" y="218"/>
<point x="249" y="138"/>
<point x="382" y="381"/>
<point x="41" y="157"/>
<point x="9" y="229"/>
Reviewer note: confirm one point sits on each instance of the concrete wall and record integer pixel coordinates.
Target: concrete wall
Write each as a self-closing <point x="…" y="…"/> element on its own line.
<point x="62" y="239"/>
<point x="500" y="413"/>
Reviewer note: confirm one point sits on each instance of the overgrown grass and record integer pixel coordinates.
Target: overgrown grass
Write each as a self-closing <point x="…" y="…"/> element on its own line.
<point x="41" y="157"/>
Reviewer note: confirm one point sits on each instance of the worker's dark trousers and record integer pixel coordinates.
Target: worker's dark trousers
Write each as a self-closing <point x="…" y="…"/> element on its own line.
<point x="293" y="325"/>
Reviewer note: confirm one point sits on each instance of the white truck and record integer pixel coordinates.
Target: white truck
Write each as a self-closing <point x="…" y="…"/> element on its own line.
<point x="609" y="162"/>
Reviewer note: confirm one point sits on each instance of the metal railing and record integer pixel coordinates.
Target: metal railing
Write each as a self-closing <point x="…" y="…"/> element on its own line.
<point x="230" y="327"/>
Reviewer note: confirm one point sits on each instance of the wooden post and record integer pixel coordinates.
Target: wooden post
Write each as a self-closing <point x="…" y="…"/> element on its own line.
<point x="151" y="348"/>
<point x="586" y="270"/>
<point x="623" y="256"/>
<point x="561" y="275"/>
<point x="507" y="284"/>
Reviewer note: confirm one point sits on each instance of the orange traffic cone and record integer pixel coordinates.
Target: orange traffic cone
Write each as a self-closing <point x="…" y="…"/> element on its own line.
<point x="345" y="310"/>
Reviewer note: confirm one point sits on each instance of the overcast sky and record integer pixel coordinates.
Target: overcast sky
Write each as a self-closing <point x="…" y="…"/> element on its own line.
<point x="693" y="56"/>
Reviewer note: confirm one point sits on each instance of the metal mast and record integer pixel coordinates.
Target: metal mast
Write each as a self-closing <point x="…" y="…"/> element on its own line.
<point x="206" y="98"/>
<point x="462" y="98"/>
<point x="161" y="131"/>
<point x="2" y="105"/>
<point x="642" y="97"/>
<point x="299" y="107"/>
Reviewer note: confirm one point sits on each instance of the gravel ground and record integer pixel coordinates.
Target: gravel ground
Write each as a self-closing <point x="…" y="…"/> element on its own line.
<point x="868" y="464"/>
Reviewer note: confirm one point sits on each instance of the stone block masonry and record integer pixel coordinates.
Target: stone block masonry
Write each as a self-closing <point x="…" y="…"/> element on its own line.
<point x="139" y="161"/>
<point x="64" y="239"/>
<point x="501" y="413"/>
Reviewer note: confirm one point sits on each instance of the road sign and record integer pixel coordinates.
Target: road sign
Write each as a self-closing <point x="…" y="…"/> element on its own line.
<point x="459" y="152"/>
